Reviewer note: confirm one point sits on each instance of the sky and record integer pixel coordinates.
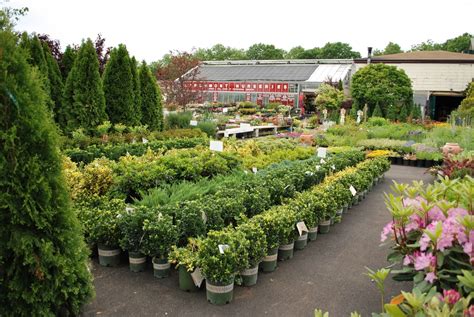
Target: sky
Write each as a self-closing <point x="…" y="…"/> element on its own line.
<point x="151" y="29"/>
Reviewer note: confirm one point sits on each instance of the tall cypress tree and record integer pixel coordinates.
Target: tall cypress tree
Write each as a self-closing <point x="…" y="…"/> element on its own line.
<point x="55" y="80"/>
<point x="118" y="88"/>
<point x="83" y="100"/>
<point x="43" y="258"/>
<point x="67" y="61"/>
<point x="137" y="102"/>
<point x="152" y="109"/>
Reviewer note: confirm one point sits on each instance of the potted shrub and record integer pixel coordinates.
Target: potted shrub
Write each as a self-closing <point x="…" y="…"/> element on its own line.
<point x="159" y="234"/>
<point x="131" y="222"/>
<point x="221" y="255"/>
<point x="256" y="251"/>
<point x="268" y="222"/>
<point x="305" y="205"/>
<point x="105" y="231"/>
<point x="185" y="259"/>
<point x="286" y="220"/>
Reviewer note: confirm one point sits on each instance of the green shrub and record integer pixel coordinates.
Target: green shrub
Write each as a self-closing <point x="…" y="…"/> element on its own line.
<point x="376" y="121"/>
<point x="178" y="120"/>
<point x="208" y="127"/>
<point x="159" y="235"/>
<point x="404" y="112"/>
<point x="43" y="258"/>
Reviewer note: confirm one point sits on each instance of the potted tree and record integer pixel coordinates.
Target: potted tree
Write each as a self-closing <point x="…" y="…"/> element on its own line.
<point x="185" y="259"/>
<point x="159" y="234"/>
<point x="105" y="231"/>
<point x="267" y="222"/>
<point x="221" y="255"/>
<point x="256" y="251"/>
<point x="131" y="222"/>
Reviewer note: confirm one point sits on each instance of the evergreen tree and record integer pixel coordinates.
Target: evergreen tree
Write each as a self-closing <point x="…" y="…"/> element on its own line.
<point x="152" y="109"/>
<point x="391" y="112"/>
<point x="83" y="102"/>
<point x="67" y="61"/>
<point x="55" y="80"/>
<point x="118" y="88"/>
<point x="353" y="111"/>
<point x="403" y="116"/>
<point x="137" y="102"/>
<point x="415" y="112"/>
<point x="43" y="258"/>
<point x="377" y="111"/>
<point x="37" y="56"/>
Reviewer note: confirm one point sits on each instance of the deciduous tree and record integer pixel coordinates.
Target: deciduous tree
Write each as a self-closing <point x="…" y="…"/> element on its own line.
<point x="264" y="51"/>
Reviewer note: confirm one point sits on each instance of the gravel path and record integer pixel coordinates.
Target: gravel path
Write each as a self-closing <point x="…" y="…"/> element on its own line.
<point x="327" y="274"/>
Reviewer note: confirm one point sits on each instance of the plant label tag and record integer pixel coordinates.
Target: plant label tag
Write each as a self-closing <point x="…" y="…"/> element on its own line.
<point x="323" y="161"/>
<point x="144" y="141"/>
<point x="203" y="216"/>
<point x="254" y="170"/>
<point x="225" y="110"/>
<point x="301" y="227"/>
<point x="318" y="167"/>
<point x="322" y="151"/>
<point x="333" y="167"/>
<point x="197" y="277"/>
<point x="353" y="190"/>
<point x="193" y="123"/>
<point x="129" y="209"/>
<point x="216" y="146"/>
<point x="223" y="247"/>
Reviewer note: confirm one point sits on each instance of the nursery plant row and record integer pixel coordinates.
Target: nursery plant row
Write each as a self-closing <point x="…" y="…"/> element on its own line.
<point x="157" y="231"/>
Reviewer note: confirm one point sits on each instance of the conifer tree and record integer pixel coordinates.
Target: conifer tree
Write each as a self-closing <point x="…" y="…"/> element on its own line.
<point x="55" y="80"/>
<point x="137" y="102"/>
<point x="67" y="61"/>
<point x="118" y="88"/>
<point x="416" y="112"/>
<point x="43" y="258"/>
<point x="377" y="111"/>
<point x="83" y="100"/>
<point x="152" y="109"/>
<point x="403" y="115"/>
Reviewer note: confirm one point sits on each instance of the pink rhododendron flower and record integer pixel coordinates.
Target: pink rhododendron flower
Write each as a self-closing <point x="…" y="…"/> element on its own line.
<point x="386" y="231"/>
<point x="424" y="260"/>
<point x="469" y="312"/>
<point x="450" y="296"/>
<point x="414" y="202"/>
<point x="416" y="222"/>
<point x="407" y="260"/>
<point x="430" y="277"/>
<point x="435" y="214"/>
<point x="456" y="212"/>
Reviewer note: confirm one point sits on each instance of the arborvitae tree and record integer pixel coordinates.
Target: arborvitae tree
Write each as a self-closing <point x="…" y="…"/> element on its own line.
<point x="37" y="57"/>
<point x="377" y="111"/>
<point x="83" y="102"/>
<point x="55" y="80"/>
<point x="391" y="112"/>
<point x="152" y="109"/>
<point x="67" y="61"/>
<point x="43" y="258"/>
<point x="118" y="88"/>
<point x="353" y="111"/>
<point x="137" y="102"/>
<point x="415" y="112"/>
<point x="402" y="117"/>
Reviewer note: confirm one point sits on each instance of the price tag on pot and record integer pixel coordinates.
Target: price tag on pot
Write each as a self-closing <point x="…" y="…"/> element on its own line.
<point x="322" y="151"/>
<point x="216" y="146"/>
<point x="193" y="123"/>
<point x="144" y="141"/>
<point x="197" y="277"/>
<point x="204" y="216"/>
<point x="223" y="247"/>
<point x="301" y="227"/>
<point x="353" y="190"/>
<point x="254" y="170"/>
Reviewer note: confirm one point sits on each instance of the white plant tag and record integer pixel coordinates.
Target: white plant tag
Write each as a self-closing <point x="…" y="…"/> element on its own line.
<point x="323" y="161"/>
<point x="333" y="167"/>
<point x="322" y="151"/>
<point x="353" y="190"/>
<point x="318" y="167"/>
<point x="225" y="110"/>
<point x="193" y="123"/>
<point x="216" y="146"/>
<point x="223" y="247"/>
<point x="144" y="141"/>
<point x="254" y="170"/>
<point x="197" y="277"/>
<point x="129" y="209"/>
<point x="301" y="227"/>
<point x="203" y="216"/>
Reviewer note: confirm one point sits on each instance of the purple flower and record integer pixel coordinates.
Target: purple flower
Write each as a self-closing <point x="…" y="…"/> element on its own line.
<point x="424" y="260"/>
<point x="430" y="277"/>
<point x="386" y="231"/>
<point x="407" y="260"/>
<point x="450" y="296"/>
<point x="435" y="214"/>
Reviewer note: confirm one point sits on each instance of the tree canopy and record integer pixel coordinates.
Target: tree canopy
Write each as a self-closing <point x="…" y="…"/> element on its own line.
<point x="391" y="48"/>
<point x="262" y="51"/>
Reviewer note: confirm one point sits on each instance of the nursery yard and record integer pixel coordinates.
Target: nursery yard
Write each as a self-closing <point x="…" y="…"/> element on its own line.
<point x="327" y="274"/>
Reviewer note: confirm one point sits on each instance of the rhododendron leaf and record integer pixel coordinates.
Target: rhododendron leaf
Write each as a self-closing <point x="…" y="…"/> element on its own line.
<point x="394" y="310"/>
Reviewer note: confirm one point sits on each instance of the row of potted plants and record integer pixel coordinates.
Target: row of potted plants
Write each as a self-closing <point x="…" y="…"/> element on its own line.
<point x="274" y="234"/>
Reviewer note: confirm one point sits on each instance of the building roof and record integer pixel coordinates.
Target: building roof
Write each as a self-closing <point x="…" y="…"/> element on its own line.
<point x="421" y="57"/>
<point x="287" y="70"/>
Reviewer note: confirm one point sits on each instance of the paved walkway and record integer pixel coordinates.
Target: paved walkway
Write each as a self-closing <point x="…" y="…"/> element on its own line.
<point x="328" y="274"/>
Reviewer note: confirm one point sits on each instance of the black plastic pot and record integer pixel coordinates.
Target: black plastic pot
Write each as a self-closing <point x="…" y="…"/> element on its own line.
<point x="420" y="163"/>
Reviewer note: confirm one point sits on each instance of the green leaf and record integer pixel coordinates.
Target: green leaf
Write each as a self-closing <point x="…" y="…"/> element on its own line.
<point x="394" y="310"/>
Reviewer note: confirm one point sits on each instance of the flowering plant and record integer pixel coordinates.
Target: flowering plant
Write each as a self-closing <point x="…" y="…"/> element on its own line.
<point x="432" y="231"/>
